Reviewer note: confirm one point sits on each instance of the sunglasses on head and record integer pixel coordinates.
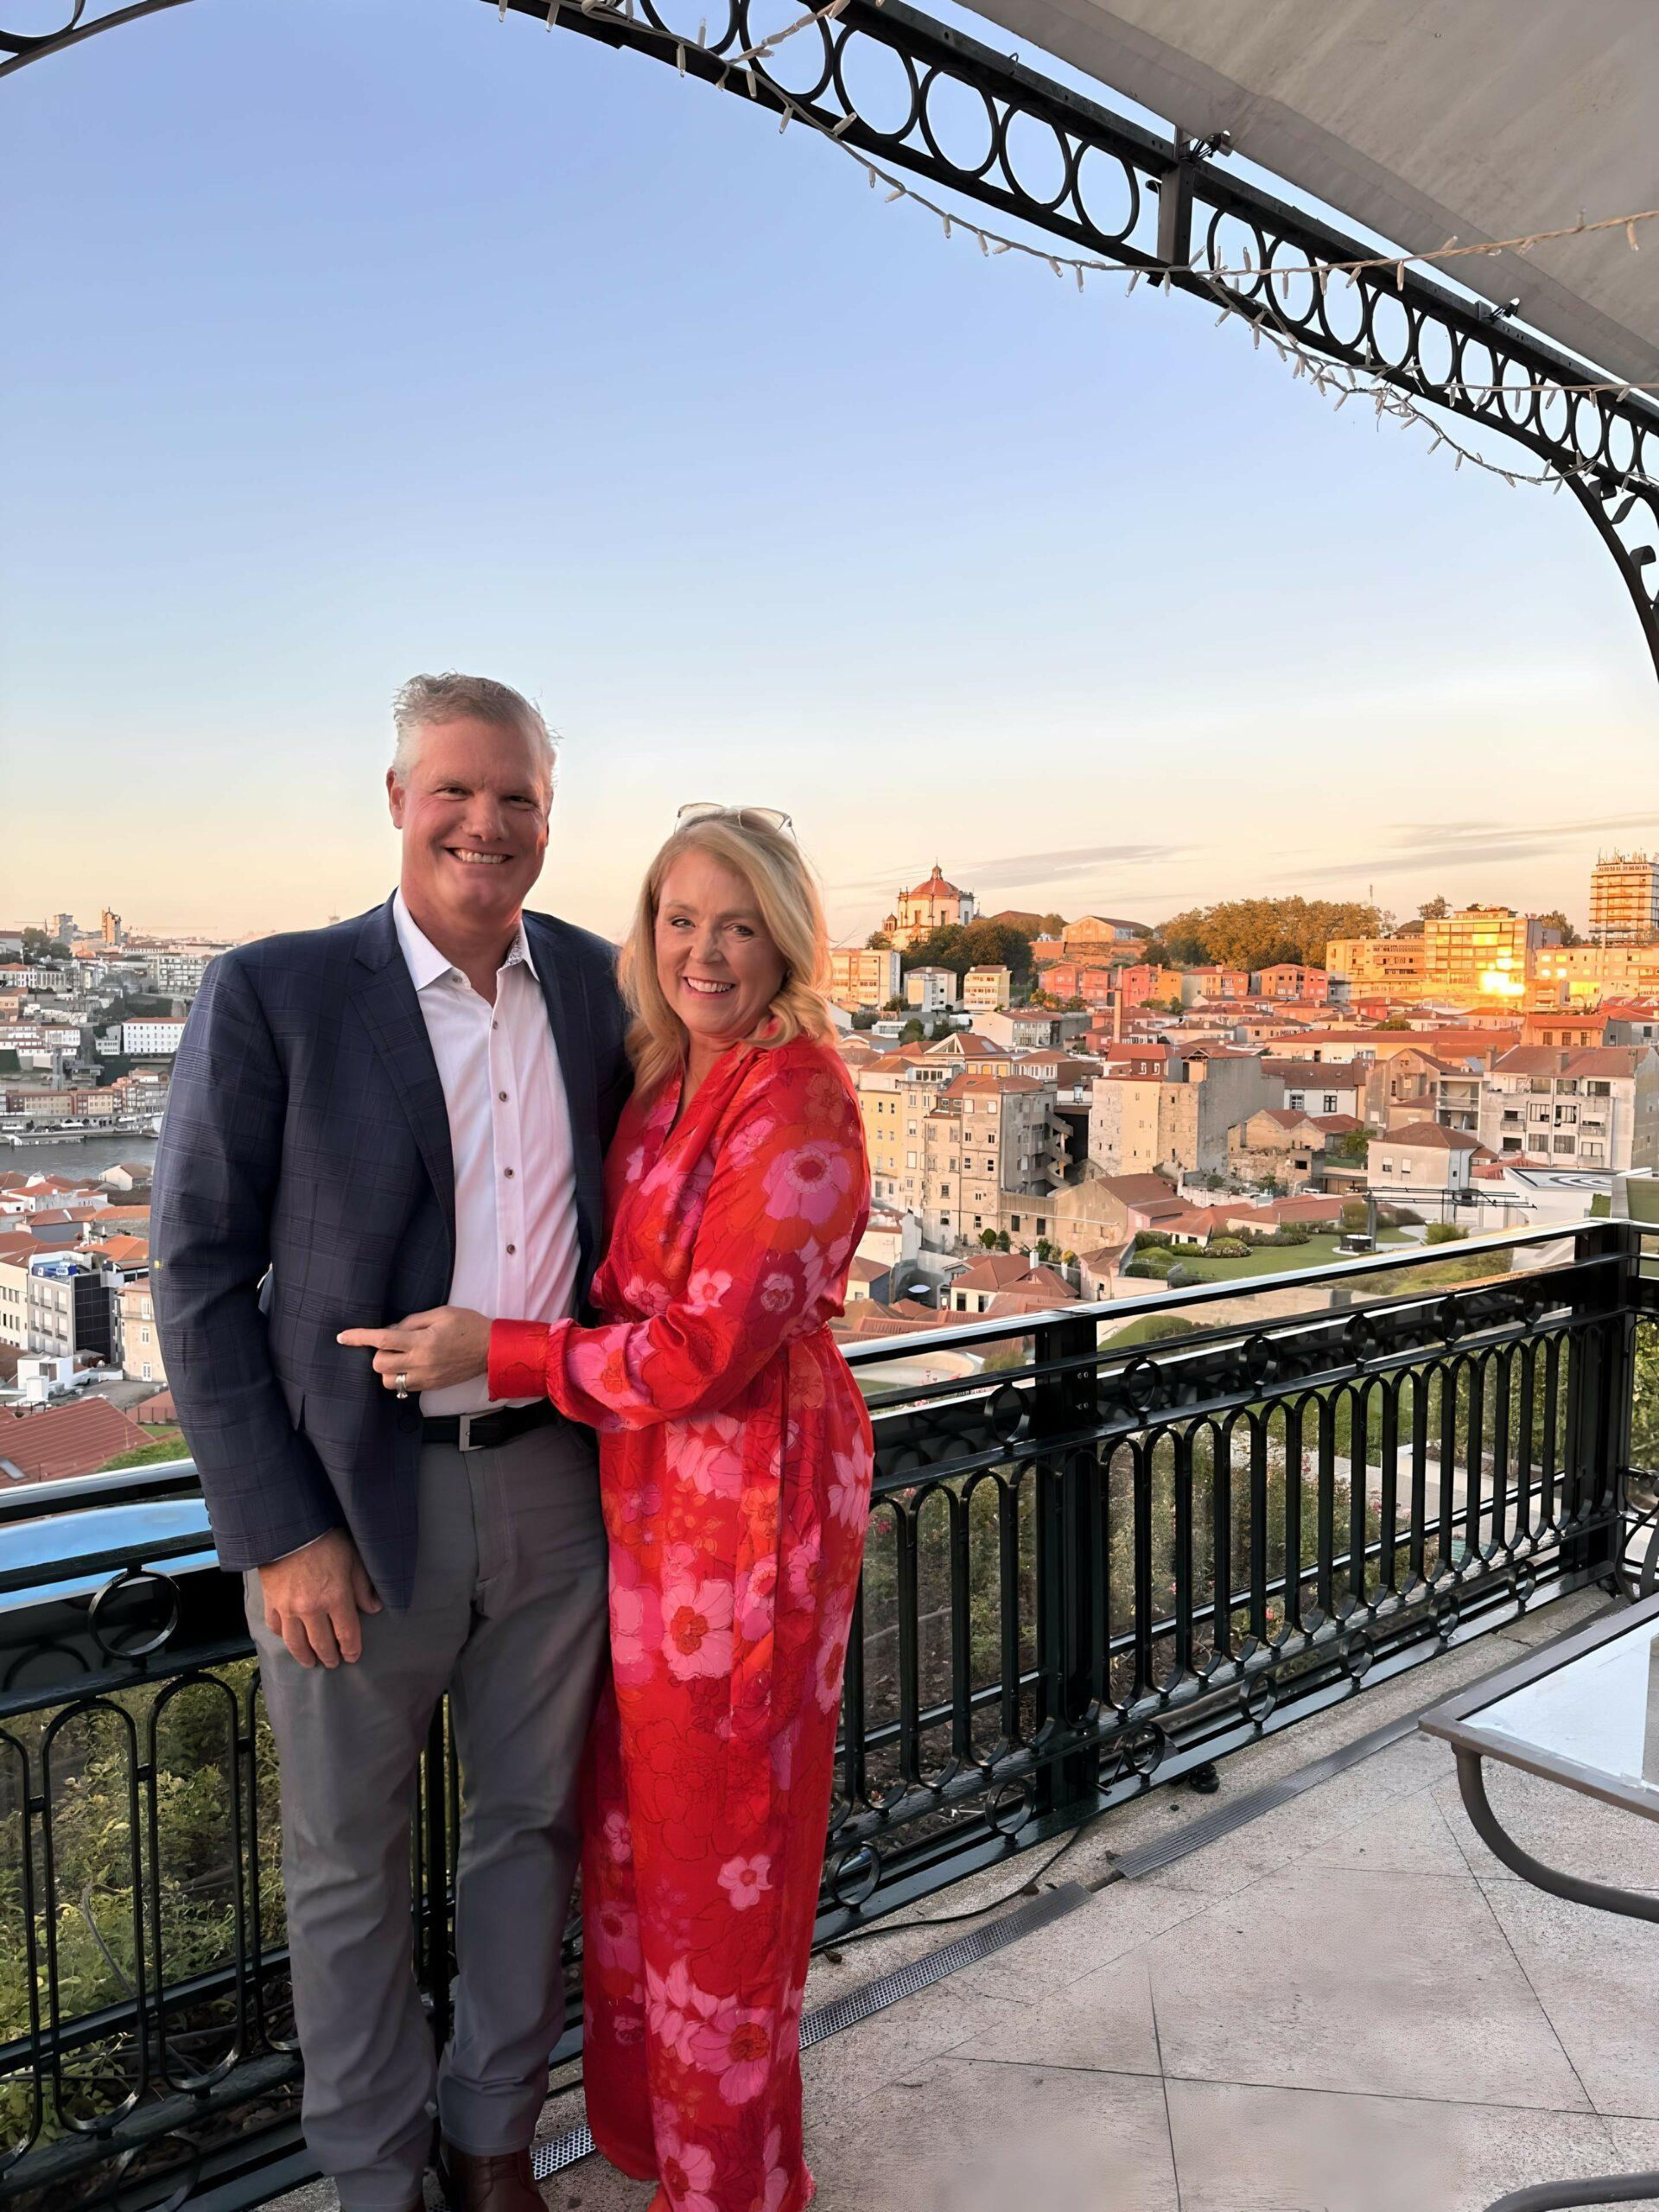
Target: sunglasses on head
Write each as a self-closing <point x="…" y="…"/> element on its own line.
<point x="747" y="818"/>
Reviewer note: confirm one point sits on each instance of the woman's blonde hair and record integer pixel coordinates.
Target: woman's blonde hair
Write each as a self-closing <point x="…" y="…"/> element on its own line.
<point x="786" y="898"/>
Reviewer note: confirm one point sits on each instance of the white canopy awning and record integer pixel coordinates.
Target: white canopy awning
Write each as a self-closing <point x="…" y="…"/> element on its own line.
<point x="1421" y="119"/>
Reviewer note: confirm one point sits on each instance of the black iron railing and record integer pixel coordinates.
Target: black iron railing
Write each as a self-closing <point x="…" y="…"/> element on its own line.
<point x="1105" y="1548"/>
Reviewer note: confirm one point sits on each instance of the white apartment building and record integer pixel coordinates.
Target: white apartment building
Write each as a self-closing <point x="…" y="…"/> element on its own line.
<point x="1423" y="1158"/>
<point x="58" y="1303"/>
<point x="1593" y="1108"/>
<point x="176" y="975"/>
<point x="139" y="1038"/>
<point x="985" y="990"/>
<point x="931" y="990"/>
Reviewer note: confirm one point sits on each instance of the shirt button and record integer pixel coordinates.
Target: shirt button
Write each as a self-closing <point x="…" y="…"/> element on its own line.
<point x="512" y="1249"/>
<point x="502" y="1095"/>
<point x="506" y="1170"/>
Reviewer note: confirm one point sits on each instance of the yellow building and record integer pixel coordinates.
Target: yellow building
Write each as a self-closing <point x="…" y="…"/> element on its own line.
<point x="1482" y="952"/>
<point x="1377" y="966"/>
<point x="859" y="977"/>
<point x="985" y="989"/>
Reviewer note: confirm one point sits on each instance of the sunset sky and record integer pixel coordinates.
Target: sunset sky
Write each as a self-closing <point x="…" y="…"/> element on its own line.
<point x="351" y="341"/>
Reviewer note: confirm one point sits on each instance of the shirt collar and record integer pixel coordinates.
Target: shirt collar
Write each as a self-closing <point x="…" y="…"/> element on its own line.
<point x="426" y="964"/>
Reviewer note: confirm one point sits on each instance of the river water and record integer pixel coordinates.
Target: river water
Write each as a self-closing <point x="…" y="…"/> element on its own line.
<point x="85" y="1158"/>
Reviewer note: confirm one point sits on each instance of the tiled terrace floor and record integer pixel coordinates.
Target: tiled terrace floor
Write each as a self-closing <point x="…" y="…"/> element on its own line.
<point x="1346" y="2005"/>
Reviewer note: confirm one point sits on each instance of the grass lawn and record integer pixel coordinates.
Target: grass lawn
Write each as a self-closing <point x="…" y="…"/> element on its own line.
<point x="166" y="1443"/>
<point x="1271" y="1260"/>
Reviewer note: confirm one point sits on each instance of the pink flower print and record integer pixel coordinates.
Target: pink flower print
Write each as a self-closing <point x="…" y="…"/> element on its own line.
<point x="803" y="1565"/>
<point x="708" y="1287"/>
<point x="753" y="1137"/>
<point x="739" y="2045"/>
<point x="617" y="1837"/>
<point x="832" y="1654"/>
<point x="743" y="1879"/>
<point x="710" y="1456"/>
<point x="808" y="1182"/>
<point x="779" y="1290"/>
<point x="636" y="1633"/>
<point x="775" y="2187"/>
<point x="755" y="1591"/>
<point x="677" y="2009"/>
<point x="615" y="1932"/>
<point x="849" y="1487"/>
<point x="698" y="1628"/>
<point x="687" y="2169"/>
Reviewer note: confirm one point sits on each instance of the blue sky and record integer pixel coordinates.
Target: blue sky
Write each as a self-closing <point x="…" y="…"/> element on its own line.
<point x="353" y="339"/>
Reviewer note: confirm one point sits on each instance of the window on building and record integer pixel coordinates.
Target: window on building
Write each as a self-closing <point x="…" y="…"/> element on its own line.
<point x="1566" y="1144"/>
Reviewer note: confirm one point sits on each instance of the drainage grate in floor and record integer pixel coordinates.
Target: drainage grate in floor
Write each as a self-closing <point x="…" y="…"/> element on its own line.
<point x="844" y="2013"/>
<point x="1192" y="1835"/>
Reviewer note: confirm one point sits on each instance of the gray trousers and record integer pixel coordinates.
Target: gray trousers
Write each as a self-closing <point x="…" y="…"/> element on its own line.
<point x="509" y="1615"/>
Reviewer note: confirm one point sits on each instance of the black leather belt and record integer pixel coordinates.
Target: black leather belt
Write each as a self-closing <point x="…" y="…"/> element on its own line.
<point x="482" y="1432"/>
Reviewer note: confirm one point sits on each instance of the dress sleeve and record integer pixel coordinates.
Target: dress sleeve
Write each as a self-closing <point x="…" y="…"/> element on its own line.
<point x="786" y="1205"/>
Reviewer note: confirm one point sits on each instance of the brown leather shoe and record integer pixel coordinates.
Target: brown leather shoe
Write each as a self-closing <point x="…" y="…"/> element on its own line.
<point x="494" y="2184"/>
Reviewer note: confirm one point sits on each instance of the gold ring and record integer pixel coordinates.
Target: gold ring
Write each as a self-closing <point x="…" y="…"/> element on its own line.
<point x="402" y="1383"/>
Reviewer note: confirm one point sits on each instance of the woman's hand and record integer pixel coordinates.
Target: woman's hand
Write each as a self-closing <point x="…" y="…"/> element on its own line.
<point x="427" y="1351"/>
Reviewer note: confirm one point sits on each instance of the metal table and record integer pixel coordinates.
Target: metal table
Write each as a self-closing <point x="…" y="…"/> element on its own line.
<point x="1583" y="1713"/>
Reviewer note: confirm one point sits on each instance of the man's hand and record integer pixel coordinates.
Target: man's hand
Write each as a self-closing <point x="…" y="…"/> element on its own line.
<point x="313" y="1597"/>
<point x="427" y="1351"/>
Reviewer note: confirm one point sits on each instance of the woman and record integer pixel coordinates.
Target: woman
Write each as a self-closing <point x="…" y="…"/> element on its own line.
<point x="735" y="1471"/>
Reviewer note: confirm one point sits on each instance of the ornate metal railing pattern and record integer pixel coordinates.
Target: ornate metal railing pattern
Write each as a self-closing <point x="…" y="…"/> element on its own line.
<point x="1087" y="1571"/>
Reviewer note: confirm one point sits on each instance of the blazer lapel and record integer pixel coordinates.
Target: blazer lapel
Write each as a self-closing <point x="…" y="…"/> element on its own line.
<point x="383" y="992"/>
<point x="569" y="1017"/>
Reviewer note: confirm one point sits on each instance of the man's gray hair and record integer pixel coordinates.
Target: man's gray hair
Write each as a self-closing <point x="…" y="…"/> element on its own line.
<point x="427" y="699"/>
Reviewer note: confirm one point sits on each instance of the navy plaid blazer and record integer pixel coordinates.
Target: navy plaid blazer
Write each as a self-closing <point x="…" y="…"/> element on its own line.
<point x="304" y="1185"/>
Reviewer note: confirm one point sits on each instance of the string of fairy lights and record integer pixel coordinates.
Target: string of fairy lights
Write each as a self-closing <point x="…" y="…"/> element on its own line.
<point x="1373" y="383"/>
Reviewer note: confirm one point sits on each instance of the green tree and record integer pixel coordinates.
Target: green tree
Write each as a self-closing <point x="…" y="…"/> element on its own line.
<point x="1433" y="909"/>
<point x="878" y="941"/>
<point x="1255" y="933"/>
<point x="1558" y="920"/>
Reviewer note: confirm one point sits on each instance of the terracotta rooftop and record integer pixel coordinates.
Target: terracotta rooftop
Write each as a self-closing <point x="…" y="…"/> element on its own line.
<point x="63" y="1442"/>
<point x="1431" y="1137"/>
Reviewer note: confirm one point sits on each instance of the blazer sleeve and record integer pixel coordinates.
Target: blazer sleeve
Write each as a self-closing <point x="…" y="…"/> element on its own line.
<point x="216" y="1174"/>
<point x="787" y="1203"/>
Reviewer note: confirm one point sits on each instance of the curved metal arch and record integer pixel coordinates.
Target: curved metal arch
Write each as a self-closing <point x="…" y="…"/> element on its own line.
<point x="1415" y="335"/>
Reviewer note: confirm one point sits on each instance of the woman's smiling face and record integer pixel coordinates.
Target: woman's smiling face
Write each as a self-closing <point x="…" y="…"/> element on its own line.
<point x="716" y="963"/>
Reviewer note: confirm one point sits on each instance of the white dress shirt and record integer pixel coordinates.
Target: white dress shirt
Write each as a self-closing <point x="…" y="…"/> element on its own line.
<point x="516" y="1244"/>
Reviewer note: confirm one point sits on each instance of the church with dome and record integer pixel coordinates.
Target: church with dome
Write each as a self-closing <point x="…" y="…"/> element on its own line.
<point x="933" y="904"/>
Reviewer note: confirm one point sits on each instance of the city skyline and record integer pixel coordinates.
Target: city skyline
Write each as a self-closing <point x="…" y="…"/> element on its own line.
<point x="870" y="920"/>
<point x="1081" y="593"/>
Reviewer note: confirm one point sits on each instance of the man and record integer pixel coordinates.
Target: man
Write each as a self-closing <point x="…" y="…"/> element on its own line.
<point x="407" y="1110"/>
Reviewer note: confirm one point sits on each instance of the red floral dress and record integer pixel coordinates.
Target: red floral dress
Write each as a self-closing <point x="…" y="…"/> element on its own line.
<point x="735" y="1459"/>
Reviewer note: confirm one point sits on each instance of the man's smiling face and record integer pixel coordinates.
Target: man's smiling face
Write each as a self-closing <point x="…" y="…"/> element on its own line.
<point x="474" y="816"/>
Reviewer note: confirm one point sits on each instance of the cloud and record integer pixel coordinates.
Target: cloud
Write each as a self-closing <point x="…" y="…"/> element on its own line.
<point x="1471" y="843"/>
<point x="1021" y="869"/>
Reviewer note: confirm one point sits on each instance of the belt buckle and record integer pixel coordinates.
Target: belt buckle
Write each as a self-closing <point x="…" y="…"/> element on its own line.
<point x="464" y="1433"/>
